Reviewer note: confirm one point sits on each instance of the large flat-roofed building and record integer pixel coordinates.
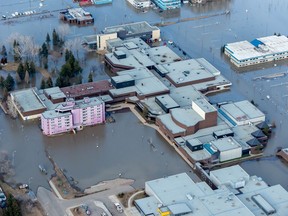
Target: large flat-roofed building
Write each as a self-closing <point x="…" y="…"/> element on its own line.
<point x="241" y="113"/>
<point x="260" y="50"/>
<point x="168" y="4"/>
<point x="77" y="16"/>
<point x="125" y="58"/>
<point x="162" y="55"/>
<point x="189" y="72"/>
<point x="73" y="115"/>
<point x="253" y="191"/>
<point x="183" y="122"/>
<point x="146" y="85"/>
<point x="28" y="103"/>
<point x="166" y="102"/>
<point x="131" y="30"/>
<point x="234" y="177"/>
<point x="54" y="94"/>
<point x="228" y="148"/>
<point x="180" y="195"/>
<point x="236" y="193"/>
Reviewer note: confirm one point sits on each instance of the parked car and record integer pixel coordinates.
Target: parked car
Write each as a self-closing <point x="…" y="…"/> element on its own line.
<point x="2" y="199"/>
<point x="118" y="207"/>
<point x="23" y="186"/>
<point x="103" y="214"/>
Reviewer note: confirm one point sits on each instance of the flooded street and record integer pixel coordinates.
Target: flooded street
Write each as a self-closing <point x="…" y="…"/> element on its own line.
<point x="121" y="149"/>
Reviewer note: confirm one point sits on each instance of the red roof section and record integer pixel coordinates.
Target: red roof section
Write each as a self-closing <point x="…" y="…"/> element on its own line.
<point x="87" y="89"/>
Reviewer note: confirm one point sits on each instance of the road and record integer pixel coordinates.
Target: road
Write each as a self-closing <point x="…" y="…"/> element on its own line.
<point x="57" y="207"/>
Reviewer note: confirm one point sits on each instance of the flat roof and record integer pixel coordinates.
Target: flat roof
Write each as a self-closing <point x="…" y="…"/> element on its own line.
<point x="54" y="93"/>
<point x="162" y="55"/>
<point x="170" y="124"/>
<point x="90" y="39"/>
<point x="27" y="100"/>
<point x="242" y="110"/>
<point x="271" y="44"/>
<point x="230" y="174"/>
<point x="122" y="78"/>
<point x="191" y="70"/>
<point x="204" y="104"/>
<point x="50" y="114"/>
<point x="146" y="83"/>
<point x="187" y="117"/>
<point x="167" y="101"/>
<point x="184" y="95"/>
<point x="181" y="189"/>
<point x="91" y="88"/>
<point x="134" y="58"/>
<point x="275" y="195"/>
<point x="131" y="28"/>
<point x="225" y="144"/>
<point x="197" y="155"/>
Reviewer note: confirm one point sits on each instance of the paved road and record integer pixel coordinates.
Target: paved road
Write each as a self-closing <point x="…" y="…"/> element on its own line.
<point x="57" y="207"/>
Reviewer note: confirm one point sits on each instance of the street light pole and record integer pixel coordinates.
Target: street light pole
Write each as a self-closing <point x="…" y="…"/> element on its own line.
<point x="13" y="157"/>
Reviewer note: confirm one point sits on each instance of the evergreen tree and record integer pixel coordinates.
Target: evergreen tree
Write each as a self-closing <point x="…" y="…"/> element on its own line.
<point x="3" y="51"/>
<point x="32" y="68"/>
<point x="2" y="80"/>
<point x="17" y="56"/>
<point x="90" y="77"/>
<point x="43" y="84"/>
<point x="13" y="208"/>
<point x="21" y="71"/>
<point x="49" y="83"/>
<point x="48" y="38"/>
<point x="44" y="51"/>
<point x="67" y="55"/>
<point x="55" y="38"/>
<point x="9" y="83"/>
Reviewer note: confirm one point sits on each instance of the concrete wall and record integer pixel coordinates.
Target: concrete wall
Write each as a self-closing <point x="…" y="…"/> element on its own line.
<point x="102" y="38"/>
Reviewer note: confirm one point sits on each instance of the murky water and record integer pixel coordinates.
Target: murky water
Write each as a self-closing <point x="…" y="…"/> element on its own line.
<point x="121" y="148"/>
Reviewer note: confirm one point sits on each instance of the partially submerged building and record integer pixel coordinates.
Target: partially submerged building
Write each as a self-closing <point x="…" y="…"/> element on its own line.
<point x="76" y="16"/>
<point x="241" y="113"/>
<point x="73" y="115"/>
<point x="125" y="31"/>
<point x="260" y="50"/>
<point x="27" y="103"/>
<point x="182" y="122"/>
<point x="168" y="4"/>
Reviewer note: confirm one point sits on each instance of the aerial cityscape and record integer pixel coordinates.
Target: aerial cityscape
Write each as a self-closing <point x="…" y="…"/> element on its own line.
<point x="143" y="107"/>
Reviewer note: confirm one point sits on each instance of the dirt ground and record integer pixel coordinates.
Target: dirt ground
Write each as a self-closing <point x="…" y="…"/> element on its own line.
<point x="12" y="67"/>
<point x="28" y="208"/>
<point x="124" y="197"/>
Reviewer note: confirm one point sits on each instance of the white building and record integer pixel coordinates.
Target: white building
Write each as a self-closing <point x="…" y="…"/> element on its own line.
<point x="260" y="50"/>
<point x="140" y="4"/>
<point x="233" y="177"/>
<point x="228" y="148"/>
<point x="241" y="113"/>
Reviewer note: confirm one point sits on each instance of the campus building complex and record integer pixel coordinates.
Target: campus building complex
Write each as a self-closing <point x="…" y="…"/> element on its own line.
<point x="73" y="115"/>
<point x="260" y="50"/>
<point x="236" y="193"/>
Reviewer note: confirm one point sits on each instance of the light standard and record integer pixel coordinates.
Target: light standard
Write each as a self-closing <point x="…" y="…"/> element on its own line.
<point x="29" y="181"/>
<point x="13" y="157"/>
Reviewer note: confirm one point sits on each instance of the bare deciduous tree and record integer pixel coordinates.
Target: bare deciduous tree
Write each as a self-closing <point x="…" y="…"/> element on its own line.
<point x="63" y="30"/>
<point x="74" y="45"/>
<point x="26" y="47"/>
<point x="11" y="107"/>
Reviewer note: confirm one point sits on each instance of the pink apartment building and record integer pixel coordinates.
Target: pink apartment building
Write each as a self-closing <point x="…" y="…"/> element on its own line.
<point x="73" y="115"/>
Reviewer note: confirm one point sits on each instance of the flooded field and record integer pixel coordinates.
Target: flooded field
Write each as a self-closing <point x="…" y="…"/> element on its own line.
<point x="107" y="151"/>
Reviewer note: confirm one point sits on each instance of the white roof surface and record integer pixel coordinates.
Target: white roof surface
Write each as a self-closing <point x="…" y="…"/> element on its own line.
<point x="245" y="50"/>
